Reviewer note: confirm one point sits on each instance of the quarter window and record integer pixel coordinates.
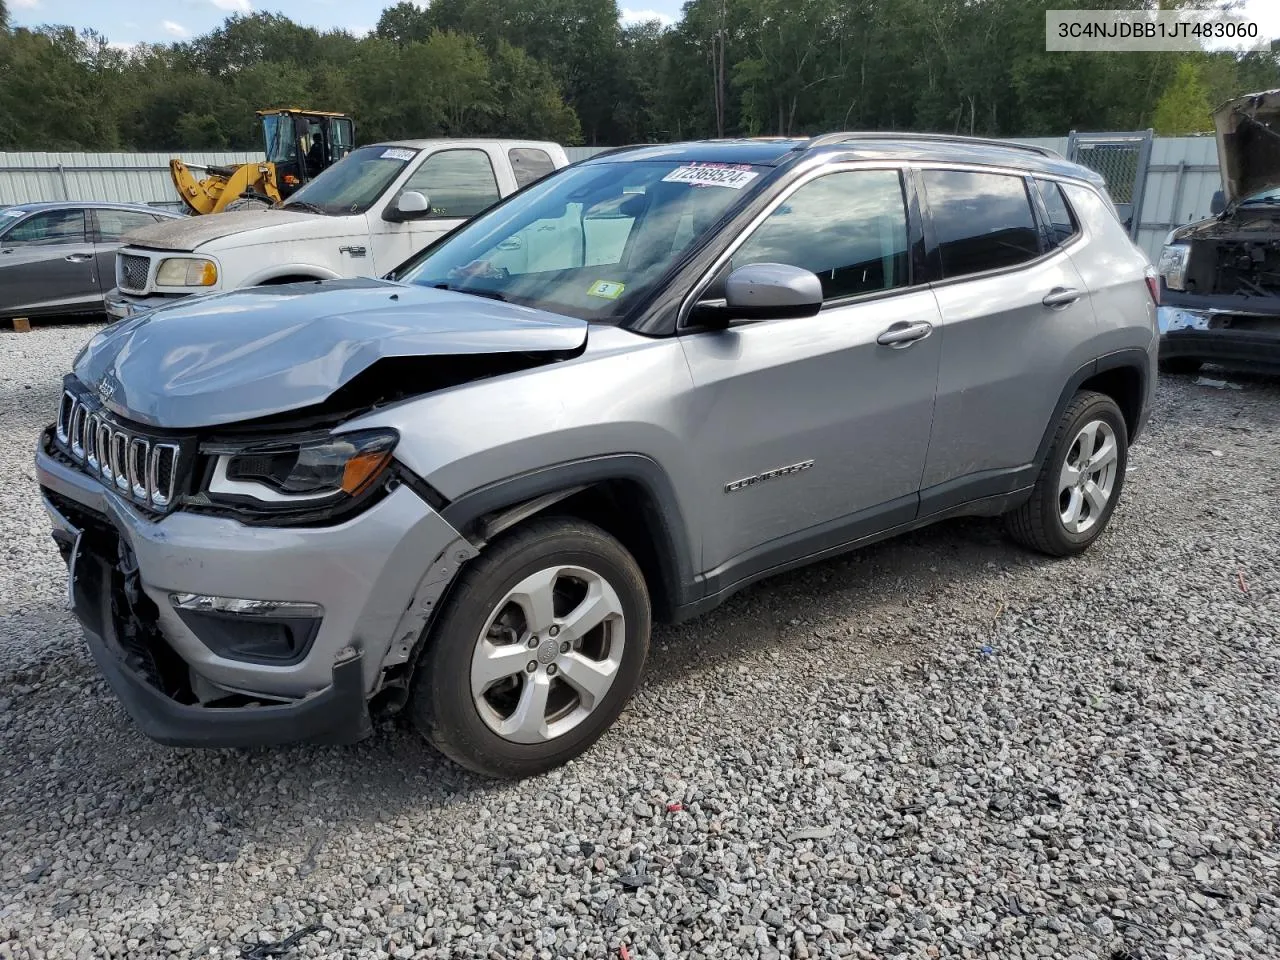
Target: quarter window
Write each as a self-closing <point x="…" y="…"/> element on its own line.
<point x="983" y="221"/>
<point x="1062" y="225"/>
<point x="849" y="228"/>
<point x="529" y="164"/>
<point x="114" y="224"/>
<point x="53" y="226"/>
<point x="458" y="183"/>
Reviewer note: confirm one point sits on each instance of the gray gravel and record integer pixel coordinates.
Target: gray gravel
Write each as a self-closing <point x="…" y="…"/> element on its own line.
<point x="938" y="747"/>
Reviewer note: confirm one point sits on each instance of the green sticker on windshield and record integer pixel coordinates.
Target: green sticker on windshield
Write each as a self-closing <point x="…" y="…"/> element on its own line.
<point x="608" y="289"/>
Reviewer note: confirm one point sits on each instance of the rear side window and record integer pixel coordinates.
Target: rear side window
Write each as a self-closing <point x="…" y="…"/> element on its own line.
<point x="849" y="228"/>
<point x="458" y="183"/>
<point x="1062" y="224"/>
<point x="114" y="224"/>
<point x="983" y="221"/>
<point x="53" y="226"/>
<point x="529" y="164"/>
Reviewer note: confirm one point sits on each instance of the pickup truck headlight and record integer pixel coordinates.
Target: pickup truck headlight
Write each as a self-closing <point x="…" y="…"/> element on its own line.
<point x="303" y="474"/>
<point x="1172" y="265"/>
<point x="186" y="272"/>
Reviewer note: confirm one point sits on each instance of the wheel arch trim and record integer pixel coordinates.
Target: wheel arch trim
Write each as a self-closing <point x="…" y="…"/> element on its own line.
<point x="1134" y="359"/>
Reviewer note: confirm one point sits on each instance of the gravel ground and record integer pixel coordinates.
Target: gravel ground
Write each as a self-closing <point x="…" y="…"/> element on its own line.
<point x="938" y="747"/>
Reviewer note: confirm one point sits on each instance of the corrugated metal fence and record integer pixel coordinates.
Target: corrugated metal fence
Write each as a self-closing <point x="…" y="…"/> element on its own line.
<point x="1182" y="175"/>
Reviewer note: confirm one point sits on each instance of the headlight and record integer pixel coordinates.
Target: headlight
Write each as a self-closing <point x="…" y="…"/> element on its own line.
<point x="1173" y="265"/>
<point x="187" y="272"/>
<point x="303" y="474"/>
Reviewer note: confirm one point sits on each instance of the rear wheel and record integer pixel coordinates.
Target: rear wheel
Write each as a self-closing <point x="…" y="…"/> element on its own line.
<point x="538" y="649"/>
<point x="1080" y="480"/>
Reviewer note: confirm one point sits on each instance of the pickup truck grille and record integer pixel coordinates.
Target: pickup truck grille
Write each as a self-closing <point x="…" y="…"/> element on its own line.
<point x="142" y="468"/>
<point x="132" y="272"/>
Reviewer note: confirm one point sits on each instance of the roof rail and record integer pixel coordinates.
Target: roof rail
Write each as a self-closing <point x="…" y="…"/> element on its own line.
<point x="826" y="139"/>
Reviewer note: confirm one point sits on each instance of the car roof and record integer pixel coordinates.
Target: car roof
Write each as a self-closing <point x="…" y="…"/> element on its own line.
<point x="93" y="204"/>
<point x="463" y="141"/>
<point x="774" y="151"/>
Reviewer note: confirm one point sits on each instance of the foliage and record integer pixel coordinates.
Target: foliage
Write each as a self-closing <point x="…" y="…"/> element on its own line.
<point x="568" y="70"/>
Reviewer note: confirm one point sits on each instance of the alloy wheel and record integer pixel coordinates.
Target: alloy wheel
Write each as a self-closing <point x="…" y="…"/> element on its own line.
<point x="1088" y="477"/>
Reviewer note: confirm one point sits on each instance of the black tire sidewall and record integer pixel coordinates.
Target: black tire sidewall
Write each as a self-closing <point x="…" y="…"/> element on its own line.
<point x="443" y="704"/>
<point x="1097" y="407"/>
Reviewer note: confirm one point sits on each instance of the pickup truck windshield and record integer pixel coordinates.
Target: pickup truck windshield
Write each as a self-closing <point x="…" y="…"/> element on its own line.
<point x="588" y="241"/>
<point x="354" y="183"/>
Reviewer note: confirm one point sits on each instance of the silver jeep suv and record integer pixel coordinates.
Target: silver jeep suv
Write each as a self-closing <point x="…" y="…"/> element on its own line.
<point x="635" y="387"/>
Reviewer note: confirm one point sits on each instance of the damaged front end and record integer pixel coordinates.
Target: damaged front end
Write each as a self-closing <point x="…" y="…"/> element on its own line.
<point x="1220" y="278"/>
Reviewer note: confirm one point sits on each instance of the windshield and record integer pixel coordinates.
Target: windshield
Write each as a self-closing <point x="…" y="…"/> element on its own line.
<point x="277" y="130"/>
<point x="1271" y="195"/>
<point x="588" y="241"/>
<point x="355" y="182"/>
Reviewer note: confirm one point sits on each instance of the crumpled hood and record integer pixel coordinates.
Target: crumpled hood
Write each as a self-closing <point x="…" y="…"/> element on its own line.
<point x="1248" y="144"/>
<point x="266" y="350"/>
<point x="190" y="232"/>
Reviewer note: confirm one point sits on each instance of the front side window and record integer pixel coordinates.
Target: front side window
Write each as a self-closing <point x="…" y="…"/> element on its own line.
<point x="983" y="221"/>
<point x="1062" y="225"/>
<point x="457" y="183"/>
<point x="587" y="241"/>
<point x="849" y="228"/>
<point x="53" y="226"/>
<point x="114" y="224"/>
<point x="353" y="184"/>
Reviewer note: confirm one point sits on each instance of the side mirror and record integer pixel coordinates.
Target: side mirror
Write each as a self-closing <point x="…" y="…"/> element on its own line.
<point x="764" y="291"/>
<point x="1218" y="203"/>
<point x="410" y="205"/>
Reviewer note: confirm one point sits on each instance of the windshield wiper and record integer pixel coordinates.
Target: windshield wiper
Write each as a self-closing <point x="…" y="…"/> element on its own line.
<point x="304" y="205"/>
<point x="488" y="294"/>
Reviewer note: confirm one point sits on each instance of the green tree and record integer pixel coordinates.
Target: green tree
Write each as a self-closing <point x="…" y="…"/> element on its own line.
<point x="1184" y="106"/>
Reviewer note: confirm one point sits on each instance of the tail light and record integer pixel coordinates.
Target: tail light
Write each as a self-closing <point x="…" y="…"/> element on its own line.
<point x="1153" y="285"/>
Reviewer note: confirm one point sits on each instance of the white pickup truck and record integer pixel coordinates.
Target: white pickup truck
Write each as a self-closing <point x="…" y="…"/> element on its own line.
<point x="362" y="217"/>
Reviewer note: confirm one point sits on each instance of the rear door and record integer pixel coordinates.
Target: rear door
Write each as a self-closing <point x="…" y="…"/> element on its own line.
<point x="1016" y="323"/>
<point x="812" y="432"/>
<point x="458" y="183"/>
<point x="108" y="229"/>
<point x="47" y="264"/>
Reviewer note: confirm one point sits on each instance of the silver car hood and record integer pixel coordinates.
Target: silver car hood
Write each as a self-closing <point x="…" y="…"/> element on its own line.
<point x="268" y="350"/>
<point x="189" y="233"/>
<point x="1248" y="144"/>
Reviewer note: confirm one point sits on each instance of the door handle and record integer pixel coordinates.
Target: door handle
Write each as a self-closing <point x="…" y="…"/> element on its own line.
<point x="78" y="257"/>
<point x="1061" y="297"/>
<point x="904" y="334"/>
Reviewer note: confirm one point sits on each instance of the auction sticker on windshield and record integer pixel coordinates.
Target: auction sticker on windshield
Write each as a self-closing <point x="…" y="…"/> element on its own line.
<point x="395" y="153"/>
<point x="712" y="175"/>
<point x="609" y="289"/>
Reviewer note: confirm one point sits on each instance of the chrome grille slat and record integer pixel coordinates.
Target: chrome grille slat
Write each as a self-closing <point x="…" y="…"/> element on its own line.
<point x="138" y="466"/>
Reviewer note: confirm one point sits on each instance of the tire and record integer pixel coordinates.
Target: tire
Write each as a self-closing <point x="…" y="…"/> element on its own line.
<point x="246" y="203"/>
<point x="1180" y="365"/>
<point x="1046" y="522"/>
<point x="493" y="727"/>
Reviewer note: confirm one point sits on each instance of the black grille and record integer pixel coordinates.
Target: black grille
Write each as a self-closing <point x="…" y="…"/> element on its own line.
<point x="131" y="272"/>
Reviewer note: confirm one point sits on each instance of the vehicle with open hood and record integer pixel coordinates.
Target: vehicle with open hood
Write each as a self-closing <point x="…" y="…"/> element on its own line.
<point x="467" y="489"/>
<point x="1220" y="277"/>
<point x="362" y="216"/>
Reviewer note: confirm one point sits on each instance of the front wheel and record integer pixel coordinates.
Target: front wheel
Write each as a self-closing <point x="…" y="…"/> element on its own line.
<point x="539" y="647"/>
<point x="1080" y="480"/>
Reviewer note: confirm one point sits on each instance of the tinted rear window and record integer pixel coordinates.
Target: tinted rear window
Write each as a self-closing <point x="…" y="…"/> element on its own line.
<point x="983" y="221"/>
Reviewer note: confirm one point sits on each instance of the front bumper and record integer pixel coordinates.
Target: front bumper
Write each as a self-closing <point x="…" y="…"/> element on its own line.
<point x="1218" y="337"/>
<point x="122" y="306"/>
<point x="373" y="576"/>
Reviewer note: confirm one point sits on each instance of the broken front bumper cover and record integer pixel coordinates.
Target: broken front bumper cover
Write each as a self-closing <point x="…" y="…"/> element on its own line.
<point x="1211" y="336"/>
<point x="121" y="306"/>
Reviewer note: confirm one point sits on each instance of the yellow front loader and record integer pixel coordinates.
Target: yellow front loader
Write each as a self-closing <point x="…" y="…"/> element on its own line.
<point x="300" y="144"/>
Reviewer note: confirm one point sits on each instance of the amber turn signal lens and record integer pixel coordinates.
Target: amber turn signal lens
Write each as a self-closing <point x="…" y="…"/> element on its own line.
<point x="362" y="469"/>
<point x="290" y="179"/>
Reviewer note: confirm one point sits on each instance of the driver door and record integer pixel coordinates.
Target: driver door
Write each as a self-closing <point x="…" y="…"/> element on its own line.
<point x="47" y="265"/>
<point x="458" y="183"/>
<point x="814" y="430"/>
